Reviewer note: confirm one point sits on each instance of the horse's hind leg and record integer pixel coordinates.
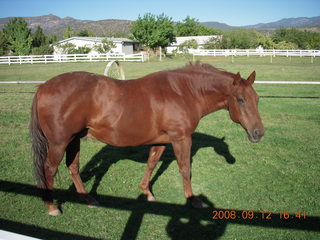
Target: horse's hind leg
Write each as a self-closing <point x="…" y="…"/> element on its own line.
<point x="154" y="157"/>
<point x="54" y="157"/>
<point x="72" y="161"/>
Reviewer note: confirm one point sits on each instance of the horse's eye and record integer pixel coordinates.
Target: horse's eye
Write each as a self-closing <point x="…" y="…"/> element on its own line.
<point x="240" y="100"/>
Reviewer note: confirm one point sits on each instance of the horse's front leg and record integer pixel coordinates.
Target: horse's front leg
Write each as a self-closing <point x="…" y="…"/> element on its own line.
<point x="154" y="157"/>
<point x="182" y="150"/>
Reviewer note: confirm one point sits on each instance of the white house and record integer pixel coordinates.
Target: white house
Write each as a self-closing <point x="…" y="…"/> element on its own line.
<point x="201" y="40"/>
<point x="123" y="45"/>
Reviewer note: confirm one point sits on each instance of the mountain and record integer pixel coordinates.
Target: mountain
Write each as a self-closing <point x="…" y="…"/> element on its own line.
<point x="52" y="24"/>
<point x="218" y="25"/>
<point x="47" y="22"/>
<point x="288" y="22"/>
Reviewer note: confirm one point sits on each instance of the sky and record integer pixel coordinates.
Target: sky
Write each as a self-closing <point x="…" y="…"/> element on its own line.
<point x="231" y="12"/>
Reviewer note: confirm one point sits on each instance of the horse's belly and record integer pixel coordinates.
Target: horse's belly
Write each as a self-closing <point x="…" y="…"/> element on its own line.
<point x="132" y="137"/>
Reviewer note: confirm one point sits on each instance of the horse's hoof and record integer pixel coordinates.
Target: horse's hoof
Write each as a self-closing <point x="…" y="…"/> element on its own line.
<point x="94" y="204"/>
<point x="54" y="213"/>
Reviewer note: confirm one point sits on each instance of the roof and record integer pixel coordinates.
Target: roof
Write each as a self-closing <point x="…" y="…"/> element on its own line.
<point x="96" y="39"/>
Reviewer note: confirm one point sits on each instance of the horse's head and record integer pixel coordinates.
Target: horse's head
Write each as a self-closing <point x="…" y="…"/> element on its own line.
<point x="243" y="107"/>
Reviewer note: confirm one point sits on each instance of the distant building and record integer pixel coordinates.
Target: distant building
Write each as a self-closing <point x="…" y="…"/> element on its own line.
<point x="123" y="45"/>
<point x="201" y="40"/>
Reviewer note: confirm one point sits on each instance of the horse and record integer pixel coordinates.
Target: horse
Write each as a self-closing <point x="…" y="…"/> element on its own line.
<point x="158" y="109"/>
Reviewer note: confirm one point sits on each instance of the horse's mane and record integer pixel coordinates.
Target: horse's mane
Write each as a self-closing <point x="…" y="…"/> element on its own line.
<point x="199" y="67"/>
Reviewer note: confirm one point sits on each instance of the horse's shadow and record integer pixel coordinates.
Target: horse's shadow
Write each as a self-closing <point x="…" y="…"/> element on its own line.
<point x="100" y="163"/>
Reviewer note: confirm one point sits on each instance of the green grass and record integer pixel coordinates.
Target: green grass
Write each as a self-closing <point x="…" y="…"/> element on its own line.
<point x="282" y="68"/>
<point x="279" y="174"/>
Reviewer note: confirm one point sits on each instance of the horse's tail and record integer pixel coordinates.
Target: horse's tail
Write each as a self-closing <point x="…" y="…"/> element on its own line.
<point x="39" y="146"/>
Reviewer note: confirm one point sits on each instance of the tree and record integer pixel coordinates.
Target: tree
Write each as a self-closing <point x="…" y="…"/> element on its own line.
<point x="189" y="44"/>
<point x="41" y="44"/>
<point x="38" y="38"/>
<point x="290" y="35"/>
<point x="80" y="50"/>
<point x="285" y="45"/>
<point x="189" y="27"/>
<point x="192" y="27"/>
<point x="313" y="40"/>
<point x="205" y="31"/>
<point x="242" y="39"/>
<point x="18" y="36"/>
<point x="4" y="48"/>
<point x="85" y="33"/>
<point x="301" y="39"/>
<point x="105" y="46"/>
<point x="42" y="50"/>
<point x="52" y="39"/>
<point x="153" y="31"/>
<point x="68" y="33"/>
<point x="68" y="48"/>
<point x="213" y="43"/>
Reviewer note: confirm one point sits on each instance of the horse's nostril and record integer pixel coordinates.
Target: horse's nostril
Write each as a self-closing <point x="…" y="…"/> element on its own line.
<point x="256" y="133"/>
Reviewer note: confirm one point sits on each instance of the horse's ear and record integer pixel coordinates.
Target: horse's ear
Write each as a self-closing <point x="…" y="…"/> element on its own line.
<point x="237" y="79"/>
<point x="252" y="77"/>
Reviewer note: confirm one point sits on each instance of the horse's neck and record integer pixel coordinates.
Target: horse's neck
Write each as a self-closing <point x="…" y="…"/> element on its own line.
<point x="210" y="94"/>
<point x="214" y="102"/>
<point x="214" y="96"/>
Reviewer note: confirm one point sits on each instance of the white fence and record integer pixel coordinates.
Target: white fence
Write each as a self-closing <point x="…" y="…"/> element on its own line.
<point x="255" y="52"/>
<point x="70" y="58"/>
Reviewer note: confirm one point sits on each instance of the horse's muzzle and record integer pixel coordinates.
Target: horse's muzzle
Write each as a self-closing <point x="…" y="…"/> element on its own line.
<point x="256" y="135"/>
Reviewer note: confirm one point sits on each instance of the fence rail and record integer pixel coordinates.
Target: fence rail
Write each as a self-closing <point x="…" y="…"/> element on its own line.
<point x="255" y="52"/>
<point x="70" y="58"/>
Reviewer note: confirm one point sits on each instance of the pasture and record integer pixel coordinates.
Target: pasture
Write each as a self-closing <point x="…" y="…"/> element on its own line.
<point x="273" y="187"/>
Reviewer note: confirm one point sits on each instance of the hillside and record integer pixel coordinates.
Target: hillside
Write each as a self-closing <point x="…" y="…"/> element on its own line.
<point x="288" y="22"/>
<point x="52" y="24"/>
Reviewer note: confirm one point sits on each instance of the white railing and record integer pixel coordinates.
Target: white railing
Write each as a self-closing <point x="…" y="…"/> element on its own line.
<point x="70" y="58"/>
<point x="255" y="52"/>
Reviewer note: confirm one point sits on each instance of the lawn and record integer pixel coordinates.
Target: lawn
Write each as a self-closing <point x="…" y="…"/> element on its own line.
<point x="264" y="181"/>
<point x="282" y="68"/>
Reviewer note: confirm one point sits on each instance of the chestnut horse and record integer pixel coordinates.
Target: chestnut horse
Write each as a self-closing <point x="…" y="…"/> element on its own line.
<point x="160" y="108"/>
